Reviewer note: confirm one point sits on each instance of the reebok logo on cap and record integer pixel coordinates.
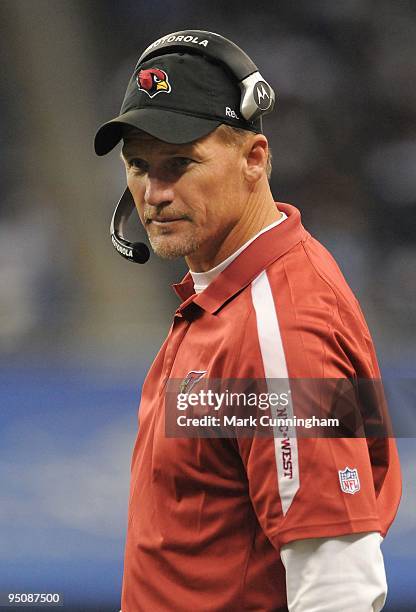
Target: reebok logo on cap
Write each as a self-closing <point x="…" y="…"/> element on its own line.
<point x="153" y="81"/>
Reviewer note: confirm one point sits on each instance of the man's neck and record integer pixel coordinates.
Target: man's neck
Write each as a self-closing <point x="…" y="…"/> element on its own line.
<point x="259" y="212"/>
<point x="203" y="279"/>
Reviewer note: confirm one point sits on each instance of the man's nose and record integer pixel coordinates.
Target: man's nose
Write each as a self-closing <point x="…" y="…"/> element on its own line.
<point x="157" y="191"/>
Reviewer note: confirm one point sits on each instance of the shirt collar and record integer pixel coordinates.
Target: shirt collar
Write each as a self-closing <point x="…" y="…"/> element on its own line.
<point x="258" y="255"/>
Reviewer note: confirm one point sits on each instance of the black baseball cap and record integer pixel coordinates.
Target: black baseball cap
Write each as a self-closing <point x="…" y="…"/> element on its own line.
<point x="177" y="98"/>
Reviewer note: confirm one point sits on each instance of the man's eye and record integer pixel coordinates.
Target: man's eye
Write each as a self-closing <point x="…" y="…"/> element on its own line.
<point x="180" y="163"/>
<point x="139" y="165"/>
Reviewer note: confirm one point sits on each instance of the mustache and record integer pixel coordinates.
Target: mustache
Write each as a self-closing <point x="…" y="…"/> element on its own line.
<point x="155" y="214"/>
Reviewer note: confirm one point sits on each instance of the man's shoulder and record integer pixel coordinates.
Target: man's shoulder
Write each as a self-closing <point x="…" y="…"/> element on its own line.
<point x="312" y="298"/>
<point x="312" y="278"/>
<point x="303" y="303"/>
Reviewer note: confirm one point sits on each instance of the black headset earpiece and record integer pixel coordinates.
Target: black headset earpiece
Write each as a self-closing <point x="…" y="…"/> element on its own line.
<point x="257" y="99"/>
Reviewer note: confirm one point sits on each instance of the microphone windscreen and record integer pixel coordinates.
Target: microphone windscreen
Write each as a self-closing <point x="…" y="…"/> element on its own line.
<point x="141" y="252"/>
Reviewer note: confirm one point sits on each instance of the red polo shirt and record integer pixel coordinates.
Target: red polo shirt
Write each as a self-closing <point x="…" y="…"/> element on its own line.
<point x="207" y="517"/>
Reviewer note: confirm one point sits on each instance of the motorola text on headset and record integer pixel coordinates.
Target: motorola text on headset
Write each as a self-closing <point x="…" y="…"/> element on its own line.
<point x="257" y="99"/>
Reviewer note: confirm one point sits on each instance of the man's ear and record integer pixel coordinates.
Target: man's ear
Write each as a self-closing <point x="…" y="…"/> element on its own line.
<point x="256" y="152"/>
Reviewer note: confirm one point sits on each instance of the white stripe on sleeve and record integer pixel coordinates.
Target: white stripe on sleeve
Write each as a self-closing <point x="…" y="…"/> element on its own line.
<point x="274" y="364"/>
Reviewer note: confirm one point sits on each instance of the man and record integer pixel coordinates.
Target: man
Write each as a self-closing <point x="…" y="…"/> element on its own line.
<point x="244" y="523"/>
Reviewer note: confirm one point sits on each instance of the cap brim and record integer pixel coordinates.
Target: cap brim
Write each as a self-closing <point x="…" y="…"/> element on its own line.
<point x="165" y="125"/>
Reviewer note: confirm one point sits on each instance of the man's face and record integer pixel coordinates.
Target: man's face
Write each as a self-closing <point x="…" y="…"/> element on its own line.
<point x="188" y="197"/>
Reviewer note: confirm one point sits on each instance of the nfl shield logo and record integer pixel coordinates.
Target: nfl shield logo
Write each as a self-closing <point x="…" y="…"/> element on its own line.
<point x="349" y="481"/>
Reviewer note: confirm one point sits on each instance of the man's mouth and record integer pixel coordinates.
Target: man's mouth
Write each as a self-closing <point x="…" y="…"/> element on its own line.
<point x="164" y="220"/>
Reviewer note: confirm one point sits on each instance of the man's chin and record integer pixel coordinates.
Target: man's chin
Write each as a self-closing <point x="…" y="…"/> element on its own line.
<point x="170" y="249"/>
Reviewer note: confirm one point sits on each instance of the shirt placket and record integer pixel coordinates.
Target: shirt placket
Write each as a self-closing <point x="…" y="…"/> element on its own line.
<point x="177" y="333"/>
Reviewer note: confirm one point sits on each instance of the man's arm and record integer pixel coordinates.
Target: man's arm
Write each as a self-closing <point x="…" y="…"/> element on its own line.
<point x="337" y="574"/>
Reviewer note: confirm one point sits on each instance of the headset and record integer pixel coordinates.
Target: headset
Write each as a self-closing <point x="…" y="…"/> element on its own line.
<point x="257" y="99"/>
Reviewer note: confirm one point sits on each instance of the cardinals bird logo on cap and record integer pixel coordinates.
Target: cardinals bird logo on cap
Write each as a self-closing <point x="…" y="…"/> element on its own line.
<point x="153" y="81"/>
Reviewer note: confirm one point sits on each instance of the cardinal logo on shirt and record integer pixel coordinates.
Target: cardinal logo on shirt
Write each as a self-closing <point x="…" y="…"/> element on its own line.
<point x="153" y="81"/>
<point x="190" y="380"/>
<point x="349" y="481"/>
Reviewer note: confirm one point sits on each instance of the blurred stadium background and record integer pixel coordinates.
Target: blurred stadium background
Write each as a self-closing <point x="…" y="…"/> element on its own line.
<point x="79" y="326"/>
